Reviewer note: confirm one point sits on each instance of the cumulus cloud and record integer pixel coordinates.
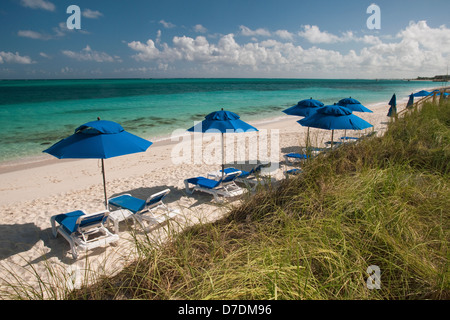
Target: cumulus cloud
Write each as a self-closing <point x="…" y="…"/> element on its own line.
<point x="9" y="57"/>
<point x="415" y="47"/>
<point x="284" y="34"/>
<point x="167" y="25"/>
<point x="314" y="35"/>
<point x="87" y="54"/>
<point x="200" y="29"/>
<point x="429" y="38"/>
<point x="38" y="4"/>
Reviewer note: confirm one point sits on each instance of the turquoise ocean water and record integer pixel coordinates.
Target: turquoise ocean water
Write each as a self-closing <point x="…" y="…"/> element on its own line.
<point x="34" y="114"/>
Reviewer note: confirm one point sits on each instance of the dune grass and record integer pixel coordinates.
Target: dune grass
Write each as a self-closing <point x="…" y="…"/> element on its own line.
<point x="383" y="201"/>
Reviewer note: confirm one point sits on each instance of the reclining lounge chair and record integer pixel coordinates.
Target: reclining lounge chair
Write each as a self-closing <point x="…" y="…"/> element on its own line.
<point x="251" y="177"/>
<point x="141" y="210"/>
<point x="83" y="231"/>
<point x="225" y="187"/>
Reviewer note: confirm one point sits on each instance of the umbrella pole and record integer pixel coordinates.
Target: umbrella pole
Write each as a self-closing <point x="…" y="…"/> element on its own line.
<point x="332" y="138"/>
<point x="223" y="161"/>
<point x="104" y="183"/>
<point x="307" y="139"/>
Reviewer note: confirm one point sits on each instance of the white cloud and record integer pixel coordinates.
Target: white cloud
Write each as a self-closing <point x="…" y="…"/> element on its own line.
<point x="167" y="25"/>
<point x="60" y="31"/>
<point x="200" y="29"/>
<point x="429" y="38"/>
<point x="43" y="54"/>
<point x="314" y="35"/>
<point x="146" y="51"/>
<point x="87" y="54"/>
<point x="33" y="35"/>
<point x="38" y="4"/>
<point x="9" y="57"/>
<point x="245" y="31"/>
<point x="416" y="47"/>
<point x="90" y="14"/>
<point x="284" y="34"/>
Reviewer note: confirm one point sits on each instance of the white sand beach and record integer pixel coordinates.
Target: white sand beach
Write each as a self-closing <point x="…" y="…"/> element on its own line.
<point x="31" y="193"/>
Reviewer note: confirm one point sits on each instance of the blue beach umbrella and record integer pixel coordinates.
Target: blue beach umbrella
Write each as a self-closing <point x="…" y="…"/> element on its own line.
<point x="353" y="104"/>
<point x="410" y="103"/>
<point x="393" y="109"/>
<point x="422" y="93"/>
<point x="304" y="108"/>
<point x="99" y="139"/>
<point x="222" y="121"/>
<point x="334" y="117"/>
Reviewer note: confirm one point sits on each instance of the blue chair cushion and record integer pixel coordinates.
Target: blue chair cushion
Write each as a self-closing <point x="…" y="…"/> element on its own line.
<point x="69" y="220"/>
<point x="128" y="202"/>
<point x="349" y="138"/>
<point x="297" y="155"/>
<point x="204" y="182"/>
<point x="294" y="171"/>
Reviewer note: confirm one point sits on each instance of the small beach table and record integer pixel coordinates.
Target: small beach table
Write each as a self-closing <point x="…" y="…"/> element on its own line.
<point x="118" y="216"/>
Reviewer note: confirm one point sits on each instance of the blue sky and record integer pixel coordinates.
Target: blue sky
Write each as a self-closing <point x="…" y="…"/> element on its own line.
<point x="227" y="38"/>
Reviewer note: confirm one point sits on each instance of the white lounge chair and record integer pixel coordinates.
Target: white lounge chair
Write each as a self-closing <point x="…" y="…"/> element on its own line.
<point x="250" y="178"/>
<point x="224" y="187"/>
<point x="153" y="210"/>
<point x="83" y="231"/>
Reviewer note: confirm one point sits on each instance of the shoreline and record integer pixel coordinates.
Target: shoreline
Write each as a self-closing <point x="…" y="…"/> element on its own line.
<point x="36" y="161"/>
<point x="54" y="177"/>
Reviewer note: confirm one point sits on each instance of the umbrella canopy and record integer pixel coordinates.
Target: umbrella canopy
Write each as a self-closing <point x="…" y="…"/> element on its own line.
<point x="393" y="109"/>
<point x="222" y="121"/>
<point x="334" y="117"/>
<point x="353" y="105"/>
<point x="304" y="108"/>
<point x="410" y="103"/>
<point x="422" y="93"/>
<point x="99" y="139"/>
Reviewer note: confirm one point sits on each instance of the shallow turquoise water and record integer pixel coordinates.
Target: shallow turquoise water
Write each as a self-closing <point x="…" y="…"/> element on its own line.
<point x="35" y="114"/>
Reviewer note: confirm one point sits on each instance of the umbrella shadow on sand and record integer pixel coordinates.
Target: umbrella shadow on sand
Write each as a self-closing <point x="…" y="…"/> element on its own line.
<point x="145" y="192"/>
<point x="19" y="238"/>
